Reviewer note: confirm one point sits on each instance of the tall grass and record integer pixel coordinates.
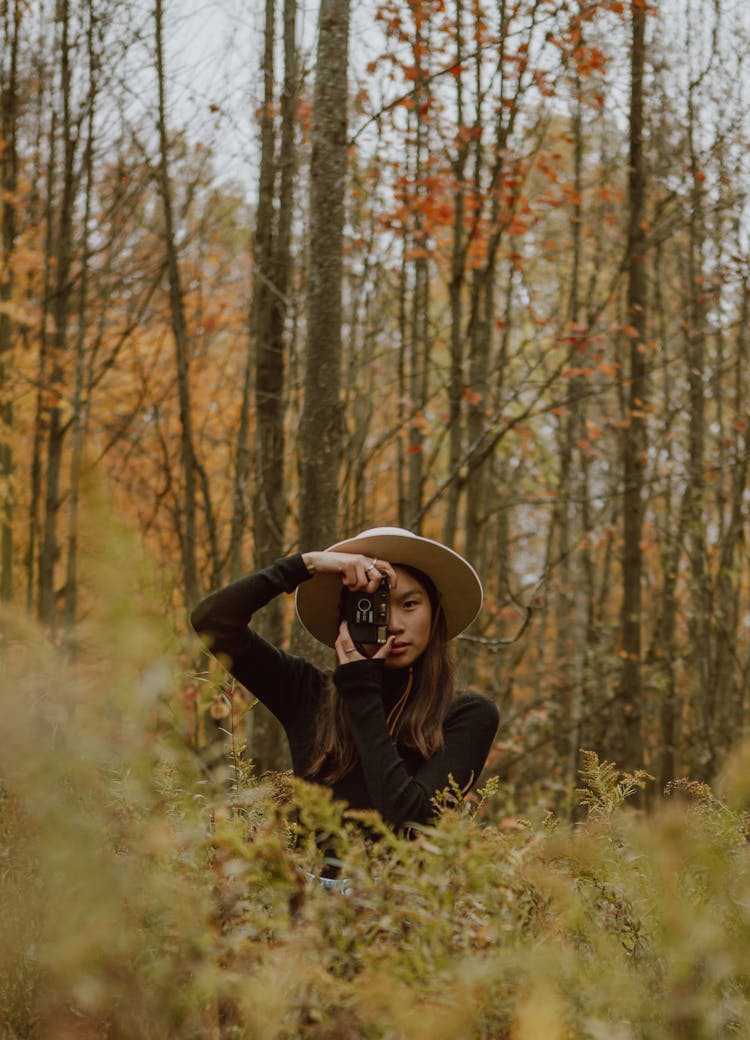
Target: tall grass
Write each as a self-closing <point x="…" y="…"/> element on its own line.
<point x="143" y="896"/>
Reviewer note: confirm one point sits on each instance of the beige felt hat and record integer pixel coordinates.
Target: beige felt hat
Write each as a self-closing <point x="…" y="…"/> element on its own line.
<point x="456" y="581"/>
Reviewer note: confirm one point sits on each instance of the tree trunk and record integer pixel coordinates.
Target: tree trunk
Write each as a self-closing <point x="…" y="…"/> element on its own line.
<point x="269" y="298"/>
<point x="36" y="465"/>
<point x="627" y="736"/>
<point x="481" y="321"/>
<point x="573" y="617"/>
<point x="272" y="263"/>
<point x="418" y="325"/>
<point x="260" y="350"/>
<point x="418" y="389"/>
<point x="665" y="642"/>
<point x="456" y="291"/>
<point x="700" y="608"/>
<point x="61" y="304"/>
<point x="321" y="421"/>
<point x="403" y="391"/>
<point x="80" y="399"/>
<point x="724" y="679"/>
<point x="9" y="181"/>
<point x="187" y="521"/>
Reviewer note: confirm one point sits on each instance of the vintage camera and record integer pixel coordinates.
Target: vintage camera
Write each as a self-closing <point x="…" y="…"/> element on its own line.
<point x="366" y="613"/>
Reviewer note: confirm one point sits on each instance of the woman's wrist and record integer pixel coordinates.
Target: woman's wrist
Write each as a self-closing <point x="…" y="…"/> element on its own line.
<point x="308" y="558"/>
<point x="363" y="676"/>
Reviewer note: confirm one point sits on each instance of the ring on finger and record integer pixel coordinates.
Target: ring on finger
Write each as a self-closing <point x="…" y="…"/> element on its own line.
<point x="351" y="650"/>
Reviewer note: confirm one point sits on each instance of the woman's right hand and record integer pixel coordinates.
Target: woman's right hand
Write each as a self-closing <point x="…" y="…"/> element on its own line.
<point x="357" y="571"/>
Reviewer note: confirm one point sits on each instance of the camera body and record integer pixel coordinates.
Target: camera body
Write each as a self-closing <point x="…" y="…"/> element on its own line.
<point x="366" y="613"/>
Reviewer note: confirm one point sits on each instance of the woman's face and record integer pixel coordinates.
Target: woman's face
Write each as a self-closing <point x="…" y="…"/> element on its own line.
<point x="410" y="620"/>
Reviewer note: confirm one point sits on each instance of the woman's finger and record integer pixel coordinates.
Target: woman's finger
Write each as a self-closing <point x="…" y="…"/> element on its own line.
<point x="384" y="650"/>
<point x="362" y="572"/>
<point x="386" y="570"/>
<point x="346" y="651"/>
<point x="351" y="575"/>
<point x="377" y="569"/>
<point x="359" y="573"/>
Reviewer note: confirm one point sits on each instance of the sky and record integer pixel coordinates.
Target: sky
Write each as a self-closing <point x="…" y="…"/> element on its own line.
<point x="214" y="52"/>
<point x="213" y="61"/>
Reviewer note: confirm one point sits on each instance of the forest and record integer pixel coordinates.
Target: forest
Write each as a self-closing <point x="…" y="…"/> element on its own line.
<point x="270" y="275"/>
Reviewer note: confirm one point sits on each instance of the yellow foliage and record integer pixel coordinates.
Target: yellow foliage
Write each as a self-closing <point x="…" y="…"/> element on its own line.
<point x="541" y="1015"/>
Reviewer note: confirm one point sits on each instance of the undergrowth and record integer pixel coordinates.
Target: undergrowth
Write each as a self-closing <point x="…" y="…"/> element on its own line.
<point x="143" y="896"/>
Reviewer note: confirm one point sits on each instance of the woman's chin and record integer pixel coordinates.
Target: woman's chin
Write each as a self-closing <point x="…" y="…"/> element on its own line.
<point x="402" y="659"/>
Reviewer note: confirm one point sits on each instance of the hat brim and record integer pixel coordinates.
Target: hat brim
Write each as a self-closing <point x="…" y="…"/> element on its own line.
<point x="458" y="585"/>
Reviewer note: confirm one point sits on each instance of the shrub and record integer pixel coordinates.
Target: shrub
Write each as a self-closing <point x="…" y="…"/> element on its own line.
<point x="145" y="897"/>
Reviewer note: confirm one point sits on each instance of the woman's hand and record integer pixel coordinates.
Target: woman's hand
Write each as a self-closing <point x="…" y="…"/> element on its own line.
<point x="357" y="571"/>
<point x="346" y="651"/>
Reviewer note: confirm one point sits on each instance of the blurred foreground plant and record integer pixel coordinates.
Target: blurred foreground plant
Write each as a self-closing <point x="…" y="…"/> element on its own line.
<point x="144" y="897"/>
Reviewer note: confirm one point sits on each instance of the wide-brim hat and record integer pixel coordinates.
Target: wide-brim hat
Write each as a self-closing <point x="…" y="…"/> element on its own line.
<point x="457" y="583"/>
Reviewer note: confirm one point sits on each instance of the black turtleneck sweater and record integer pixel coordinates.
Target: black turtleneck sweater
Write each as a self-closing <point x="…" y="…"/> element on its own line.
<point x="395" y="780"/>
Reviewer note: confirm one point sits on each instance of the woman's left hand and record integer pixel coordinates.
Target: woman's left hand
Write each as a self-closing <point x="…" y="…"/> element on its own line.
<point x="346" y="651"/>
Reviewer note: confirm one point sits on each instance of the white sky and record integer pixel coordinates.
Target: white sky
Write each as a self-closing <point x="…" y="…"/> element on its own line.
<point x="213" y="59"/>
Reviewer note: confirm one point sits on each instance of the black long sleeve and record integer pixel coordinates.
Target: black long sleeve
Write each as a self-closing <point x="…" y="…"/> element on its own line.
<point x="280" y="680"/>
<point x="400" y="796"/>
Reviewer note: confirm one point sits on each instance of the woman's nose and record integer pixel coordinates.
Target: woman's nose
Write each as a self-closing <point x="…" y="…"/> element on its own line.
<point x="395" y="623"/>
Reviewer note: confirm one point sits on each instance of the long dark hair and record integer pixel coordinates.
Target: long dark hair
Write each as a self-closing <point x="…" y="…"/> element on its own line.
<point x="420" y="724"/>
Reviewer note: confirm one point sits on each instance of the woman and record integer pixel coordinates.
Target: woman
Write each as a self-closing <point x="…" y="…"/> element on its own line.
<point x="385" y="730"/>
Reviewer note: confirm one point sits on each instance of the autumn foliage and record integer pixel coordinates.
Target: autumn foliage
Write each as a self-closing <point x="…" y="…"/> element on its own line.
<point x="544" y="362"/>
<point x="143" y="895"/>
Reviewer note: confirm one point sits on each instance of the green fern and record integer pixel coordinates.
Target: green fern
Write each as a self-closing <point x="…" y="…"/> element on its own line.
<point x="604" y="788"/>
